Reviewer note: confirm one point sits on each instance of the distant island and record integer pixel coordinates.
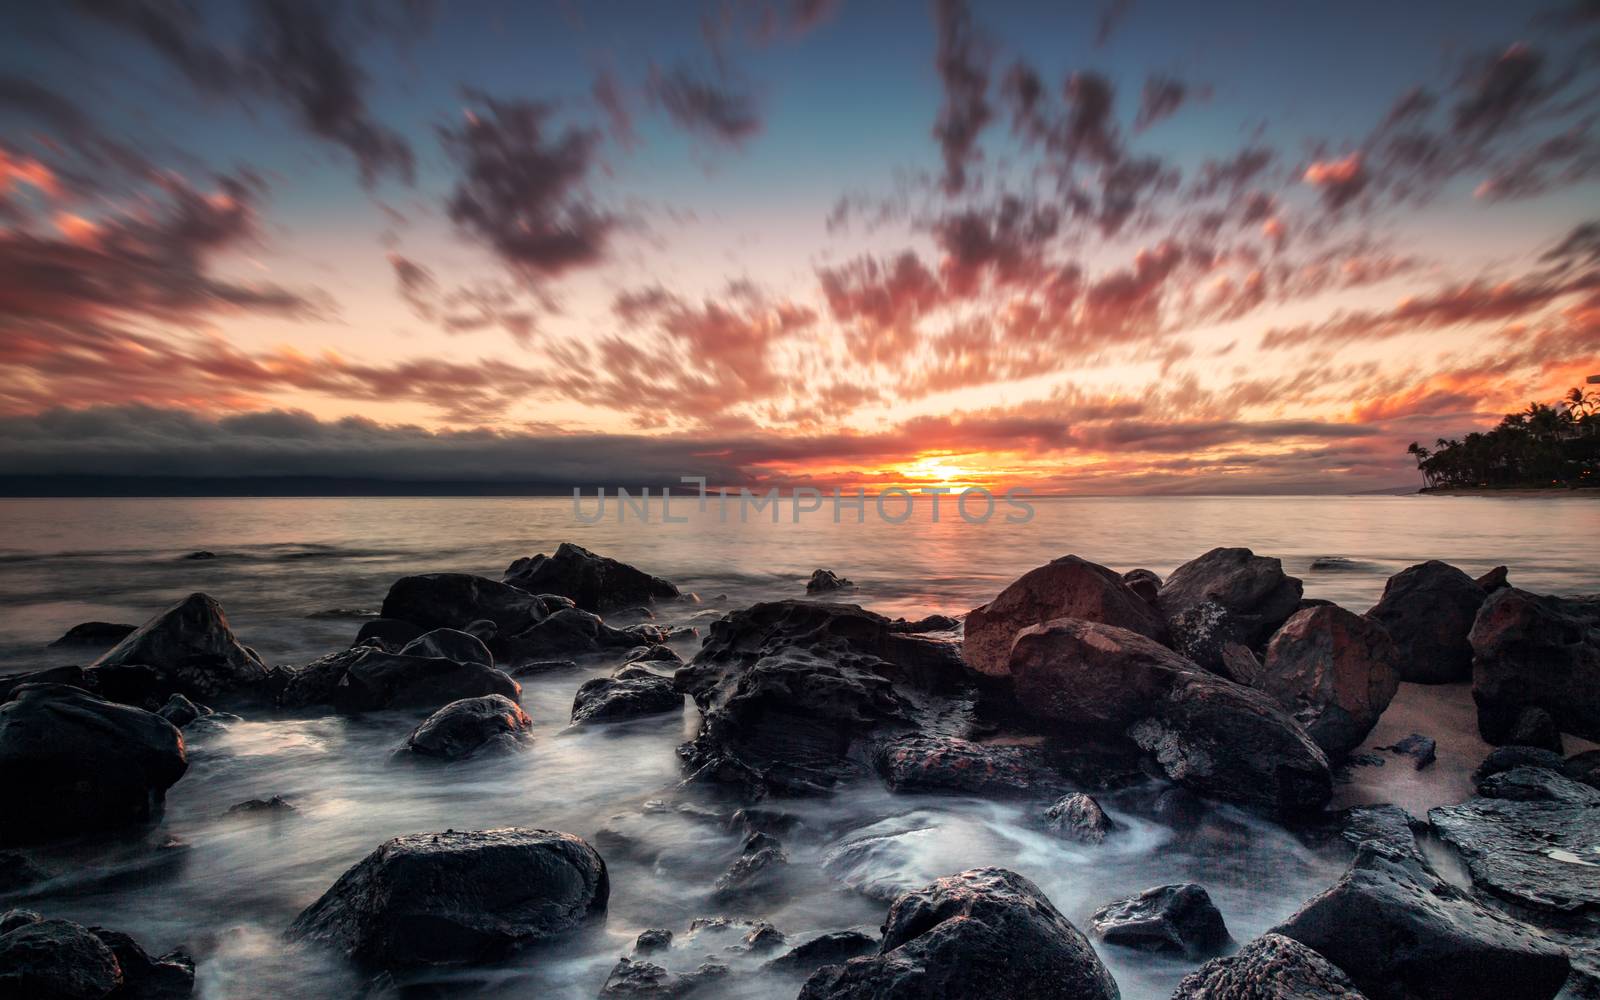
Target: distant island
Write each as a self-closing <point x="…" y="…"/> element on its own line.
<point x="1544" y="447"/>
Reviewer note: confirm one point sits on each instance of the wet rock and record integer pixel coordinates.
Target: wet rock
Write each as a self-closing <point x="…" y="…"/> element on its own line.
<point x="1068" y="587"/>
<point x="618" y="698"/>
<point x="18" y="871"/>
<point x="1584" y="767"/>
<point x="1534" y="728"/>
<point x="756" y="820"/>
<point x="57" y="960"/>
<point x="1143" y="582"/>
<point x="1536" y="652"/>
<point x="593" y="582"/>
<point x="1254" y="591"/>
<point x="466" y="727"/>
<point x="1493" y="580"/>
<point x="1180" y="808"/>
<point x="100" y="635"/>
<point x="450" y="644"/>
<point x="987" y="932"/>
<point x="651" y="940"/>
<point x="11" y="919"/>
<point x="535" y="668"/>
<point x="71" y="676"/>
<point x="573" y="632"/>
<point x="145" y="977"/>
<point x="1334" y="671"/>
<point x="1180" y="919"/>
<point x="1217" y="639"/>
<point x="793" y="695"/>
<point x="825" y="949"/>
<point x="646" y="979"/>
<point x="1397" y="930"/>
<point x="454" y="600"/>
<point x="826" y="581"/>
<point x="1334" y="564"/>
<point x="363" y="679"/>
<point x="920" y="764"/>
<point x="73" y="763"/>
<point x="1079" y="817"/>
<point x="1272" y="967"/>
<point x="275" y="807"/>
<point x="180" y="711"/>
<point x="1388" y="828"/>
<point x="1531" y="847"/>
<point x="1422" y="750"/>
<point x="392" y="634"/>
<point x="656" y="653"/>
<point x="1207" y="733"/>
<point x="1505" y="758"/>
<point x="200" y="555"/>
<point x="452" y="897"/>
<point x="1238" y="663"/>
<point x="758" y="869"/>
<point x="1428" y="610"/>
<point x="193" y="648"/>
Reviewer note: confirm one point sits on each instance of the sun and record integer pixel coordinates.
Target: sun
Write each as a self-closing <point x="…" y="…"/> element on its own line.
<point x="938" y="470"/>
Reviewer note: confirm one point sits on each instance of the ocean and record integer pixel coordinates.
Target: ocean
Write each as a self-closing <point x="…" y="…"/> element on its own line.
<point x="295" y="575"/>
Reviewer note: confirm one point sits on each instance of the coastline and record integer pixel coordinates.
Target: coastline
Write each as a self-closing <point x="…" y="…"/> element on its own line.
<point x="1588" y="493"/>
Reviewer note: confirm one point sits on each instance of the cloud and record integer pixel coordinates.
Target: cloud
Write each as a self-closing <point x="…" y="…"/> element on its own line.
<point x="1008" y="243"/>
<point x="523" y="187"/>
<point x="608" y="94"/>
<point x="1162" y="97"/>
<point x="1112" y="14"/>
<point x="416" y="285"/>
<point x="705" y="108"/>
<point x="962" y="62"/>
<point x="1500" y="89"/>
<point x="1341" y="181"/>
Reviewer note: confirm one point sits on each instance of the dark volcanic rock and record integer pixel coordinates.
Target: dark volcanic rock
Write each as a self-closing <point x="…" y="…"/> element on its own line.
<point x="1143" y="582"/>
<point x="1397" y="930"/>
<point x="1428" y="610"/>
<point x="656" y="653"/>
<point x="1216" y="639"/>
<point x="71" y="676"/>
<point x="826" y="949"/>
<point x="646" y="979"/>
<point x="362" y="679"/>
<point x="145" y="977"/>
<point x="1272" y="967"/>
<point x="988" y="932"/>
<point x="1388" y="828"/>
<point x="1493" y="580"/>
<point x="918" y="764"/>
<point x="462" y="728"/>
<point x="824" y="581"/>
<point x="1068" y="587"/>
<point x="444" y="898"/>
<point x="1207" y="733"/>
<point x="1079" y="817"/>
<point x="593" y="582"/>
<point x="1533" y="846"/>
<point x="455" y="600"/>
<point x="200" y="555"/>
<point x="102" y="635"/>
<point x="617" y="698"/>
<point x="574" y="632"/>
<point x="1584" y="767"/>
<point x="1535" y="728"/>
<point x="193" y="648"/>
<point x="1422" y="750"/>
<point x="1334" y="671"/>
<point x="1505" y="758"/>
<point x="1171" y="918"/>
<point x="1253" y="589"/>
<point x="792" y="694"/>
<point x="57" y="960"/>
<point x="180" y="711"/>
<point x="275" y="806"/>
<point x="652" y="939"/>
<point x="393" y="633"/>
<point x="73" y="763"/>
<point x="759" y="868"/>
<point x="1539" y="652"/>
<point x="450" y="644"/>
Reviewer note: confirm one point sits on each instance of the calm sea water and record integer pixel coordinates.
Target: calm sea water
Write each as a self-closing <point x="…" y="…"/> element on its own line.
<point x="229" y="887"/>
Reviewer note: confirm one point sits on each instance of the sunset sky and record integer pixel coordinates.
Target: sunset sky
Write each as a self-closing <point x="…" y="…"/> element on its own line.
<point x="1122" y="247"/>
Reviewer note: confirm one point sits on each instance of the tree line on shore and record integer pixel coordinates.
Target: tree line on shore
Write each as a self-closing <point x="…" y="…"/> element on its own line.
<point x="1542" y="445"/>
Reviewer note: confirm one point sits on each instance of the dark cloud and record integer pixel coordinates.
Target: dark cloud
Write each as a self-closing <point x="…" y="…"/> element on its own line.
<point x="962" y="61"/>
<point x="178" y="31"/>
<point x="416" y="285"/>
<point x="1162" y="97"/>
<point x="709" y="109"/>
<point x="523" y="188"/>
<point x="1112" y="14"/>
<point x="1581" y="246"/>
<point x="608" y="93"/>
<point x="1008" y="243"/>
<point x="1340" y="180"/>
<point x="1500" y="89"/>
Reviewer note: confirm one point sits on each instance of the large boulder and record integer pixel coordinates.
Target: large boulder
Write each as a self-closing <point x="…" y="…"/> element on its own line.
<point x="96" y="635"/>
<point x="1334" y="671"/>
<point x="1399" y="931"/>
<point x="987" y="932"/>
<point x="1272" y="967"/>
<point x="193" y="648"/>
<point x="1428" y="610"/>
<point x="454" y="897"/>
<point x="1207" y="733"/>
<point x="593" y="582"/>
<point x="630" y="693"/>
<point x="793" y="694"/>
<point x="1536" y="652"/>
<point x="450" y="644"/>
<point x="1179" y="919"/>
<point x="365" y="679"/>
<point x="1253" y="592"/>
<point x="573" y="632"/>
<point x="1079" y="817"/>
<point x="57" y="960"/>
<point x="948" y="764"/>
<point x="462" y="728"/>
<point x="73" y="763"/>
<point x="456" y="600"/>
<point x="1068" y="587"/>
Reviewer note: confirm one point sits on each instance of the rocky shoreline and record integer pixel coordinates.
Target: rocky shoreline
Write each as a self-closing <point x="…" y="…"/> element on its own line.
<point x="1221" y="683"/>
